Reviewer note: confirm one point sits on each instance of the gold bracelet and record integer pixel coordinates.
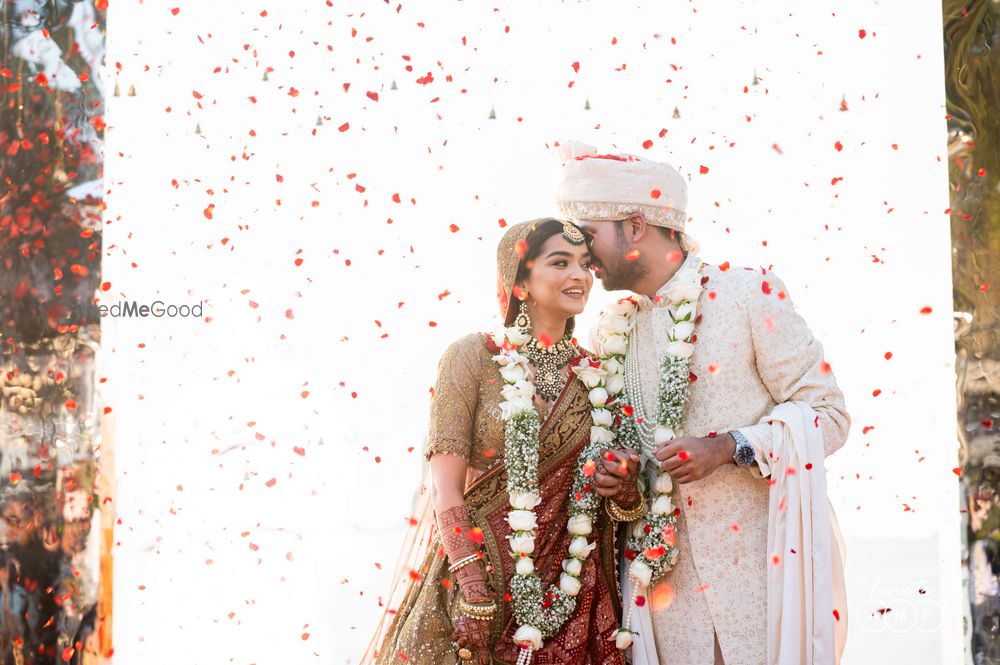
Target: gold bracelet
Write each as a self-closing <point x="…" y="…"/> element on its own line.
<point x="463" y="562"/>
<point x="619" y="514"/>
<point x="484" y="612"/>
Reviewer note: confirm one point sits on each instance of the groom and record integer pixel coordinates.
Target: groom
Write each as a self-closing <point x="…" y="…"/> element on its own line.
<point x="752" y="585"/>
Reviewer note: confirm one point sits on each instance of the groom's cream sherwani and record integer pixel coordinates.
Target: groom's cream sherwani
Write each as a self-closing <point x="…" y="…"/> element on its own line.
<point x="753" y="352"/>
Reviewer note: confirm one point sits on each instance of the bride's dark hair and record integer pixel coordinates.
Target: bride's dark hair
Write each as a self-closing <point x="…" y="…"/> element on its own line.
<point x="542" y="231"/>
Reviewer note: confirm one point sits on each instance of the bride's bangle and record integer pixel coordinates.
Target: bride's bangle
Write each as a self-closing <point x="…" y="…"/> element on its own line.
<point x="479" y="611"/>
<point x="619" y="514"/>
<point x="463" y="562"/>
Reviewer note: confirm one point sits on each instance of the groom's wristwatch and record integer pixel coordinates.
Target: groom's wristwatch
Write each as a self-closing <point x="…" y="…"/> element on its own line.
<point x="744" y="455"/>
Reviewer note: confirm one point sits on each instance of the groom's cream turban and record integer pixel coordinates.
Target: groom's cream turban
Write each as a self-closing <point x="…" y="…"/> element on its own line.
<point x="610" y="187"/>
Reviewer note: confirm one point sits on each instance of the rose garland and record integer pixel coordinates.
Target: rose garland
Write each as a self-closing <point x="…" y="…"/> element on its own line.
<point x="651" y="545"/>
<point x="540" y="614"/>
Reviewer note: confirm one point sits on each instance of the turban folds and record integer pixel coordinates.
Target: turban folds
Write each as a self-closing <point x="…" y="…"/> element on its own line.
<point x="608" y="187"/>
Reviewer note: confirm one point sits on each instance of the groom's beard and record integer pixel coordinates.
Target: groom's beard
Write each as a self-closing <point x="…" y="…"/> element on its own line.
<point x="620" y="273"/>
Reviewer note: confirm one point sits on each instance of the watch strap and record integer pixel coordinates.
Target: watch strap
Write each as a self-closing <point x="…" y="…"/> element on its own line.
<point x="744" y="455"/>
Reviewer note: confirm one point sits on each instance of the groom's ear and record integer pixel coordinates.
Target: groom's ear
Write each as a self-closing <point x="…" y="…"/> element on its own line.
<point x="636" y="227"/>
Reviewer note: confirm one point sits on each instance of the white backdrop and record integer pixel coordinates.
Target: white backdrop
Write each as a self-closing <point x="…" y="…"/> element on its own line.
<point x="268" y="453"/>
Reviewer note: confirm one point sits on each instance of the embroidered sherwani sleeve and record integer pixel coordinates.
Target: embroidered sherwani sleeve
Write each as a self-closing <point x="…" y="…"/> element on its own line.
<point x="453" y="406"/>
<point x="791" y="364"/>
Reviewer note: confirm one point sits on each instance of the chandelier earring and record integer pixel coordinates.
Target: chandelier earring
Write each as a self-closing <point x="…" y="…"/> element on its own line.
<point x="523" y="321"/>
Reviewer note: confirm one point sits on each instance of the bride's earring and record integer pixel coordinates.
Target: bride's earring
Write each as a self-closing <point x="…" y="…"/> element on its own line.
<point x="523" y="321"/>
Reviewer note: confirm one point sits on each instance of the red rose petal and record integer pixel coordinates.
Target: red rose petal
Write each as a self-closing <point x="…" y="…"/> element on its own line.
<point x="521" y="247"/>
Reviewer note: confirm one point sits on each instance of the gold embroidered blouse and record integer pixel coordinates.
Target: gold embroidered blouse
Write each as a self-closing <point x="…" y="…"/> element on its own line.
<point x="465" y="410"/>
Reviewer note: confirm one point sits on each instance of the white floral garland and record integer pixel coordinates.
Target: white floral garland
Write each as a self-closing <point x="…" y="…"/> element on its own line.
<point x="540" y="614"/>
<point x="651" y="539"/>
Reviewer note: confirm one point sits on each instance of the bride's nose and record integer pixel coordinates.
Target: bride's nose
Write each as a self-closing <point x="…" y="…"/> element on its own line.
<point x="579" y="274"/>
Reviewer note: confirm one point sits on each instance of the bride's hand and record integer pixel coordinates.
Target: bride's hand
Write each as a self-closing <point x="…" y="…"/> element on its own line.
<point x="473" y="634"/>
<point x="616" y="475"/>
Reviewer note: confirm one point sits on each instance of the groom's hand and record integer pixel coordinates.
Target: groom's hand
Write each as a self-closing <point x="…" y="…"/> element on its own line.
<point x="692" y="458"/>
<point x="614" y="471"/>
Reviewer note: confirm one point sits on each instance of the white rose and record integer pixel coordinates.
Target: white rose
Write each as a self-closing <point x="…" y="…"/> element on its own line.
<point x="529" y="636"/>
<point x="662" y="434"/>
<point x="613" y="366"/>
<point x="498" y="337"/>
<point x="580" y="548"/>
<point x="683" y="290"/>
<point x="524" y="565"/>
<point x="601" y="435"/>
<point x="522" y="520"/>
<point x="662" y="505"/>
<point x="510" y="358"/>
<point x="617" y="324"/>
<point x="639" y="528"/>
<point x="590" y="376"/>
<point x="623" y="638"/>
<point x="682" y="331"/>
<point x="664" y="484"/>
<point x="615" y="385"/>
<point x="623" y="307"/>
<point x="514" y="407"/>
<point x="684" y="312"/>
<point x="640" y="572"/>
<point x="519" y="390"/>
<point x="579" y="525"/>
<point x="615" y="344"/>
<point x="569" y="584"/>
<point x="524" y="500"/>
<point x="517" y="337"/>
<point x="602" y="417"/>
<point x="523" y="543"/>
<point x="598" y="396"/>
<point x="513" y="373"/>
<point x="572" y="566"/>
<point x="680" y="349"/>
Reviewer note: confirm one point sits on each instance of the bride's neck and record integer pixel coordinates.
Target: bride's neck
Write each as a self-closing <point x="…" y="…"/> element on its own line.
<point x="552" y="327"/>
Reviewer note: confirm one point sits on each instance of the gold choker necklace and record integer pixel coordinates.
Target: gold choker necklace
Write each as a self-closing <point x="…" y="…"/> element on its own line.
<point x="548" y="362"/>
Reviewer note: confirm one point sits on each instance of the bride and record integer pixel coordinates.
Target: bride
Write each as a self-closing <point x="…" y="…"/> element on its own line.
<point x="518" y="562"/>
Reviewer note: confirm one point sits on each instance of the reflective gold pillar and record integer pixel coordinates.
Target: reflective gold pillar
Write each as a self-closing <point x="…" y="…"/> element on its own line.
<point x="972" y="65"/>
<point x="51" y="137"/>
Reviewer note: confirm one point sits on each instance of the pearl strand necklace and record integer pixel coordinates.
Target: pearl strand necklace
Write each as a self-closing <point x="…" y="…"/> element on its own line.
<point x="633" y="384"/>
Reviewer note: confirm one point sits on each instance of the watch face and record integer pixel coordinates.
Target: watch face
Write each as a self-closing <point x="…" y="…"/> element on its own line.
<point x="745" y="455"/>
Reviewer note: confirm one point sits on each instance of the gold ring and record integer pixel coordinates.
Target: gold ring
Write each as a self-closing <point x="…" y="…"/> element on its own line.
<point x="464" y="654"/>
